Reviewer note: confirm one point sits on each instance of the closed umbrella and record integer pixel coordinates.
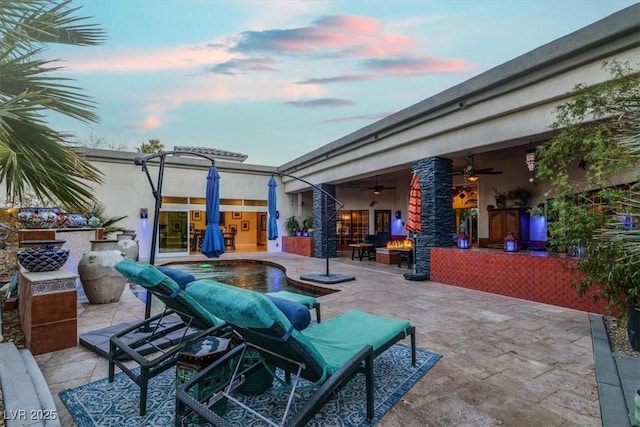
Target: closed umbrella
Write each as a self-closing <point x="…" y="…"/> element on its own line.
<point x="213" y="243"/>
<point x="414" y="224"/>
<point x="272" y="225"/>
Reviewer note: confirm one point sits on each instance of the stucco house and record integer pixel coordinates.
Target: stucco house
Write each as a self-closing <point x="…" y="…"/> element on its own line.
<point x="487" y="123"/>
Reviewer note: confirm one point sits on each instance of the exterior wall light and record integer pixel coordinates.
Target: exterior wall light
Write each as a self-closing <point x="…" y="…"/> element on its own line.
<point x="530" y="159"/>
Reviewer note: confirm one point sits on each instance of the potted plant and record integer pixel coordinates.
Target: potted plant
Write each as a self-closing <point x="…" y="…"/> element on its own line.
<point x="518" y="195"/>
<point x="501" y="198"/>
<point x="598" y="134"/>
<point x="307" y="223"/>
<point x="292" y="225"/>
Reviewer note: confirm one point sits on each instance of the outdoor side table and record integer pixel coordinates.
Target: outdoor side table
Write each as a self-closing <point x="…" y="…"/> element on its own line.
<point x="362" y="248"/>
<point x="196" y="356"/>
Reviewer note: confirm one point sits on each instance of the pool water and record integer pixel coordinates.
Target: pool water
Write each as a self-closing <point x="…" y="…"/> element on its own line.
<point x="255" y="276"/>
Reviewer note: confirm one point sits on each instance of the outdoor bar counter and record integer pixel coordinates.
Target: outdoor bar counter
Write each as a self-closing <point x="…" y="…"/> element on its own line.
<point x="534" y="276"/>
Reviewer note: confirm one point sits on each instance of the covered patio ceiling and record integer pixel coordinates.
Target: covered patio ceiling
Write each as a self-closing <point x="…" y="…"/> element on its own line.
<point x="496" y="156"/>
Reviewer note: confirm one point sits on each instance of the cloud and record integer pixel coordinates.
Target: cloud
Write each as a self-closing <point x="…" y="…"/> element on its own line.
<point x="337" y="79"/>
<point x="413" y="65"/>
<point x="148" y="60"/>
<point x="321" y="102"/>
<point x="329" y="36"/>
<point x="239" y="66"/>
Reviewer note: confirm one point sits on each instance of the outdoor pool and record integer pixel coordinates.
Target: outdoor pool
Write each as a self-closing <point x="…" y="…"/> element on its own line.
<point x="259" y="276"/>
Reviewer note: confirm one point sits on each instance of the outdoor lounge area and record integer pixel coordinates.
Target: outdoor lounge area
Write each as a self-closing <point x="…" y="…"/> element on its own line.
<point x="438" y="240"/>
<point x="494" y="349"/>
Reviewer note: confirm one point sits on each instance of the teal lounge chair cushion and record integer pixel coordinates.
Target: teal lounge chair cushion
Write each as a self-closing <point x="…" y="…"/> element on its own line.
<point x="239" y="306"/>
<point x="338" y="338"/>
<point x="163" y="286"/>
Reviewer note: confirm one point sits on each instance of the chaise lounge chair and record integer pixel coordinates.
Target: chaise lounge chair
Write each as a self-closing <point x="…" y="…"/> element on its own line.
<point x="328" y="354"/>
<point x="152" y="353"/>
<point x="146" y="352"/>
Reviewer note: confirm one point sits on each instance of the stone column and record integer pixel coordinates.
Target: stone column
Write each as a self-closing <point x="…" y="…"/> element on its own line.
<point x="438" y="225"/>
<point x="324" y="209"/>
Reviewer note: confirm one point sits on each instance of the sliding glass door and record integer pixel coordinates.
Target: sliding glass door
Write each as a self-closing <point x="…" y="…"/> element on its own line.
<point x="173" y="233"/>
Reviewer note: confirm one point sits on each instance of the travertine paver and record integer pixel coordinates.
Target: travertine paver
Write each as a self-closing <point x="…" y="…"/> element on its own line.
<point x="505" y="361"/>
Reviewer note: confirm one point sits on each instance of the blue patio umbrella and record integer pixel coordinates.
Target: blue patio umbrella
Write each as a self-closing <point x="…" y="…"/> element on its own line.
<point x="213" y="243"/>
<point x="272" y="225"/>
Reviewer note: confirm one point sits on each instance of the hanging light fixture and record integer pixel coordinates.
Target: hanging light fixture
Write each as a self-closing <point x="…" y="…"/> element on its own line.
<point x="530" y="159"/>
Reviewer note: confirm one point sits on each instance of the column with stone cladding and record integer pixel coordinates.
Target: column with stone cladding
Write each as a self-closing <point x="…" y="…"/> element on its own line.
<point x="437" y="218"/>
<point x="324" y="208"/>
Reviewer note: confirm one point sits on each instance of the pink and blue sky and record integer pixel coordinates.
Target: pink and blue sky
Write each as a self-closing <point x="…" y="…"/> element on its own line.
<point x="277" y="79"/>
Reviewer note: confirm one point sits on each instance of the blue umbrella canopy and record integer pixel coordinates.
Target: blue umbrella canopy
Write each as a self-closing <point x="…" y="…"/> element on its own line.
<point x="213" y="243"/>
<point x="272" y="225"/>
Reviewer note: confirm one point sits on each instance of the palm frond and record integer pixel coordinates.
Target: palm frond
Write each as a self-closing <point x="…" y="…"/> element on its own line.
<point x="33" y="157"/>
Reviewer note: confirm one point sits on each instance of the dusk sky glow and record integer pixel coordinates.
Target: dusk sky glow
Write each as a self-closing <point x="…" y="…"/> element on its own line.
<point x="277" y="79"/>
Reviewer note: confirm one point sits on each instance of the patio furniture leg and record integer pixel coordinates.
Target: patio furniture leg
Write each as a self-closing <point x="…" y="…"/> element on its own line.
<point x="144" y="383"/>
<point x="368" y="366"/>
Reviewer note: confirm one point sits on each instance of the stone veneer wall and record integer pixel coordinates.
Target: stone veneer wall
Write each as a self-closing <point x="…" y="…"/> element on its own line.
<point x="324" y="207"/>
<point x="437" y="213"/>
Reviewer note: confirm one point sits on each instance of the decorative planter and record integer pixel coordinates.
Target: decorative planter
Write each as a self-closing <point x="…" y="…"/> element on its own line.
<point x="42" y="255"/>
<point x="38" y="217"/>
<point x="101" y="282"/>
<point x="93" y="222"/>
<point x="76" y="220"/>
<point x="129" y="247"/>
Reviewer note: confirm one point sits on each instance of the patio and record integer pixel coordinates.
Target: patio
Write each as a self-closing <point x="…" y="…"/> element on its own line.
<point x="505" y="361"/>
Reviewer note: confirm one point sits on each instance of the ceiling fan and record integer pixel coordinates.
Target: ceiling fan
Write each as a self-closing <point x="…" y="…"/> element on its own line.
<point x="471" y="173"/>
<point x="377" y="189"/>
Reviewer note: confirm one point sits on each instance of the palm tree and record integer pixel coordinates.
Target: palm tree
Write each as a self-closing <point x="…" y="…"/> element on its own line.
<point x="33" y="156"/>
<point x="153" y="146"/>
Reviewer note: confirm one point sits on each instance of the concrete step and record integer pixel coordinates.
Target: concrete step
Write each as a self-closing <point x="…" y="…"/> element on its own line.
<point x="27" y="399"/>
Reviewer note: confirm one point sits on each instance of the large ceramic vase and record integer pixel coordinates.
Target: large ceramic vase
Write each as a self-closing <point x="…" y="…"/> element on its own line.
<point x="128" y="246"/>
<point x="101" y="282"/>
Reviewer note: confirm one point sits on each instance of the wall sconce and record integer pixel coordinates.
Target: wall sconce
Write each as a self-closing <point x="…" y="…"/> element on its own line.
<point x="530" y="159"/>
<point x="398" y="215"/>
<point x="144" y="213"/>
<point x="510" y="243"/>
<point x="463" y="241"/>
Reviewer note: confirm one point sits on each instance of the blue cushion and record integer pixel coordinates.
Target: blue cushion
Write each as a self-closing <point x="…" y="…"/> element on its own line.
<point x="297" y="313"/>
<point x="180" y="277"/>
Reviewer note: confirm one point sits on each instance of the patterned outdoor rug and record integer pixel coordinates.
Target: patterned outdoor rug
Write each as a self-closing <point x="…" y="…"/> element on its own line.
<point x="116" y="404"/>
